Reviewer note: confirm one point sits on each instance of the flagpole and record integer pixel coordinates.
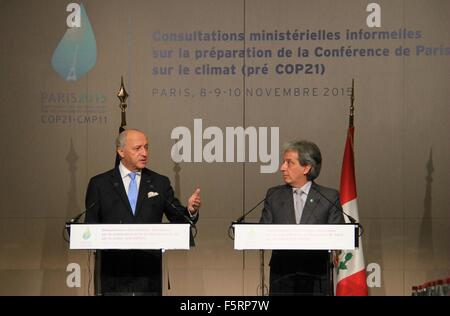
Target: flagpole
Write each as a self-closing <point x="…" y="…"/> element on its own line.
<point x="352" y="107"/>
<point x="123" y="96"/>
<point x="351" y="272"/>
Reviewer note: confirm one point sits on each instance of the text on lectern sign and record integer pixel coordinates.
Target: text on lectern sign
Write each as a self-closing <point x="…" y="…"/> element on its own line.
<point x="129" y="236"/>
<point x="308" y="237"/>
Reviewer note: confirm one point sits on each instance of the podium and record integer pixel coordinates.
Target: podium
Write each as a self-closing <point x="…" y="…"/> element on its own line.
<point x="295" y="237"/>
<point x="124" y="239"/>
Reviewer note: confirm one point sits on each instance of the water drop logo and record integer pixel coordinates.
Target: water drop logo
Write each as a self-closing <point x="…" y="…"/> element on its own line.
<point x="87" y="234"/>
<point x="76" y="53"/>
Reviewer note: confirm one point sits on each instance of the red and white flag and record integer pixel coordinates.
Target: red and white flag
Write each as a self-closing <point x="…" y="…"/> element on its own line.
<point x="351" y="271"/>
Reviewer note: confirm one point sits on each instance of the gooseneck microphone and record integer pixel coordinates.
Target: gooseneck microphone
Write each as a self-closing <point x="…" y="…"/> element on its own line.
<point x="242" y="218"/>
<point x="339" y="209"/>
<point x="76" y="219"/>
<point x="178" y="209"/>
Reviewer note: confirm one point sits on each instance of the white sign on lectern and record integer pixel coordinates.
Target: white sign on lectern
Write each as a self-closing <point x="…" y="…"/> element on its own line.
<point x="129" y="236"/>
<point x="286" y="236"/>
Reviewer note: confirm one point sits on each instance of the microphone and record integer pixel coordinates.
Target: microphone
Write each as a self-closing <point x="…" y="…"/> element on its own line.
<point x="181" y="211"/>
<point x="350" y="218"/>
<point x="242" y="218"/>
<point x="77" y="218"/>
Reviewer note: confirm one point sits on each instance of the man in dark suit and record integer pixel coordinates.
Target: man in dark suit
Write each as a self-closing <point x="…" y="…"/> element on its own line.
<point x="300" y="201"/>
<point x="133" y="194"/>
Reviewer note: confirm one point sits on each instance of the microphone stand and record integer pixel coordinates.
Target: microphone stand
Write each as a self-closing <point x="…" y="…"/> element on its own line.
<point x="262" y="284"/>
<point x="261" y="251"/>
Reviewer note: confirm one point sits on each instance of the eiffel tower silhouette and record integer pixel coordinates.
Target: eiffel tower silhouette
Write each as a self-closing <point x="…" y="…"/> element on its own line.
<point x="72" y="75"/>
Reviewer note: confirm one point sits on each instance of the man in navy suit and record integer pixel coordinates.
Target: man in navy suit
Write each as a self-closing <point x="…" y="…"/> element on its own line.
<point x="133" y="194"/>
<point x="300" y="201"/>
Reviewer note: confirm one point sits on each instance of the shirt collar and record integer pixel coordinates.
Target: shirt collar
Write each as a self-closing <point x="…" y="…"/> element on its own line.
<point x="305" y="188"/>
<point x="124" y="172"/>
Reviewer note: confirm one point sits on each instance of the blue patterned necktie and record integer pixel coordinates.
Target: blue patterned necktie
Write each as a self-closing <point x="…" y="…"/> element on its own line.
<point x="132" y="191"/>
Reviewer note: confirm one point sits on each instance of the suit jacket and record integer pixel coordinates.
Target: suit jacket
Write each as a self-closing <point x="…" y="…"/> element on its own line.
<point x="107" y="203"/>
<point x="279" y="209"/>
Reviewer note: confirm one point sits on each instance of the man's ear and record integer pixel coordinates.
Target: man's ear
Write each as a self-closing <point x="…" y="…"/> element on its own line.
<point x="120" y="152"/>
<point x="307" y="169"/>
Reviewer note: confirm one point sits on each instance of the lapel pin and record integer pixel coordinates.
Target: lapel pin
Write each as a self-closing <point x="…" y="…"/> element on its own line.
<point x="311" y="200"/>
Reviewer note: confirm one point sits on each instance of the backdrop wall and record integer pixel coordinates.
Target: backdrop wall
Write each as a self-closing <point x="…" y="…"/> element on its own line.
<point x="224" y="64"/>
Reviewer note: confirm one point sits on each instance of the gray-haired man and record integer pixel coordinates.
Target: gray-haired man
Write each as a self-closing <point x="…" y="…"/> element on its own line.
<point x="300" y="201"/>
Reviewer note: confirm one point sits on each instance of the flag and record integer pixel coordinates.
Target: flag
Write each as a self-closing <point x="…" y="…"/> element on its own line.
<point x="117" y="162"/>
<point x="351" y="271"/>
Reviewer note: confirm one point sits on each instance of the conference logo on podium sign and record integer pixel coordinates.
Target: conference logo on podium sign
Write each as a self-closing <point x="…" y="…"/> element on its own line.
<point x="74" y="57"/>
<point x="87" y="234"/>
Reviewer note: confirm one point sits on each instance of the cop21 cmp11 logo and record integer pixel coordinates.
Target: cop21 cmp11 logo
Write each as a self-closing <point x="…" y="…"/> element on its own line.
<point x="76" y="53"/>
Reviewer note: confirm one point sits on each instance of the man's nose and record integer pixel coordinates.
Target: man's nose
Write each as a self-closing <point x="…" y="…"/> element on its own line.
<point x="144" y="152"/>
<point x="283" y="166"/>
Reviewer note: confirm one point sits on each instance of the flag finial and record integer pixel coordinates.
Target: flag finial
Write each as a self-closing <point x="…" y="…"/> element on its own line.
<point x="122" y="95"/>
<point x="352" y="108"/>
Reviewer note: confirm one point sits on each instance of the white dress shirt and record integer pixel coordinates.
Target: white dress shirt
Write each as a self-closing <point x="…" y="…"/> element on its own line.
<point x="124" y="173"/>
<point x="305" y="188"/>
